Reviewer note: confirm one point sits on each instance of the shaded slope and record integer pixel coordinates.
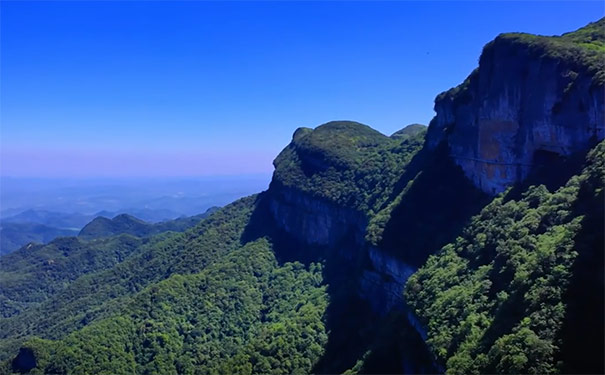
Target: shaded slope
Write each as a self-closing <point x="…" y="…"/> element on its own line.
<point x="495" y="300"/>
<point x="104" y="227"/>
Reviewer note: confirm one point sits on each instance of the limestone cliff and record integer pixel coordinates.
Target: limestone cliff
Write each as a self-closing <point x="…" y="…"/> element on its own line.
<point x="329" y="182"/>
<point x="383" y="204"/>
<point x="530" y="100"/>
<point x="315" y="221"/>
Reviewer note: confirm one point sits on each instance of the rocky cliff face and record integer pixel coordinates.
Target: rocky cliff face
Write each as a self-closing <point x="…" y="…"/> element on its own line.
<point x="318" y="222"/>
<point x="314" y="221"/>
<point x="383" y="280"/>
<point x="531" y="99"/>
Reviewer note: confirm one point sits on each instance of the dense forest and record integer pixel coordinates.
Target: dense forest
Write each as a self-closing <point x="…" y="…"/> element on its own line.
<point x="496" y="299"/>
<point x="367" y="254"/>
<point x="242" y="314"/>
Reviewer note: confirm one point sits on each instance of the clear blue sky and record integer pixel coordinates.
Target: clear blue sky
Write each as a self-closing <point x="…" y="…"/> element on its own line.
<point x="202" y="88"/>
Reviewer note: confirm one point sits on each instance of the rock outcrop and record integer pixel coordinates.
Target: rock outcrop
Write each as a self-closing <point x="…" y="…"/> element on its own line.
<point x="383" y="280"/>
<point x="318" y="222"/>
<point x="328" y="183"/>
<point x="314" y="221"/>
<point x="530" y="100"/>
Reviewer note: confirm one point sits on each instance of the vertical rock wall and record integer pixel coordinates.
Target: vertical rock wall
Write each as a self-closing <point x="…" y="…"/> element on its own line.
<point x="518" y="103"/>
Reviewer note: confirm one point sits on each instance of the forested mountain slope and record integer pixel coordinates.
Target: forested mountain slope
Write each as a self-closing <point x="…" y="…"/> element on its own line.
<point x="522" y="283"/>
<point x="242" y="314"/>
<point x="74" y="304"/>
<point x="36" y="272"/>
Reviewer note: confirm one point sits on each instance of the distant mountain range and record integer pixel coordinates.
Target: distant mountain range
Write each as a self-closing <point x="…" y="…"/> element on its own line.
<point x="124" y="223"/>
<point x="42" y="226"/>
<point x="38" y="210"/>
<point x="78" y="220"/>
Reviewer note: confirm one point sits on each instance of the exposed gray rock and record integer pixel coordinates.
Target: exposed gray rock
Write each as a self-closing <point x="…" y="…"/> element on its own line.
<point x="517" y="104"/>
<point x="313" y="220"/>
<point x="382" y="284"/>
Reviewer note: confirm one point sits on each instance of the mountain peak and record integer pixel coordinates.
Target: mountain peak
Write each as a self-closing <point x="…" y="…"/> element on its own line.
<point x="123" y="223"/>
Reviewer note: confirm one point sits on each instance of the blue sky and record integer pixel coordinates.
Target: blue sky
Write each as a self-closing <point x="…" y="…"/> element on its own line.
<point x="92" y="89"/>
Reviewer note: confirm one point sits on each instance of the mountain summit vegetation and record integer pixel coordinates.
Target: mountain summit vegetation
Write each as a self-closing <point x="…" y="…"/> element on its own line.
<point x="367" y="254"/>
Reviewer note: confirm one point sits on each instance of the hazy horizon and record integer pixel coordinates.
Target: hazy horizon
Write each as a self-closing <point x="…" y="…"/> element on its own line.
<point x="151" y="198"/>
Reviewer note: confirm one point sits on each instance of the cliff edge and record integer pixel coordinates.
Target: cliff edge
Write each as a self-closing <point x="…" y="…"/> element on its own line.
<point x="532" y="99"/>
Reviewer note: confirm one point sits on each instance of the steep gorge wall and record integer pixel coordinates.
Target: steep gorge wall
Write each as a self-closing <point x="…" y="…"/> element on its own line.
<point x="382" y="281"/>
<point x="519" y="103"/>
<point x="318" y="222"/>
<point x="313" y="220"/>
